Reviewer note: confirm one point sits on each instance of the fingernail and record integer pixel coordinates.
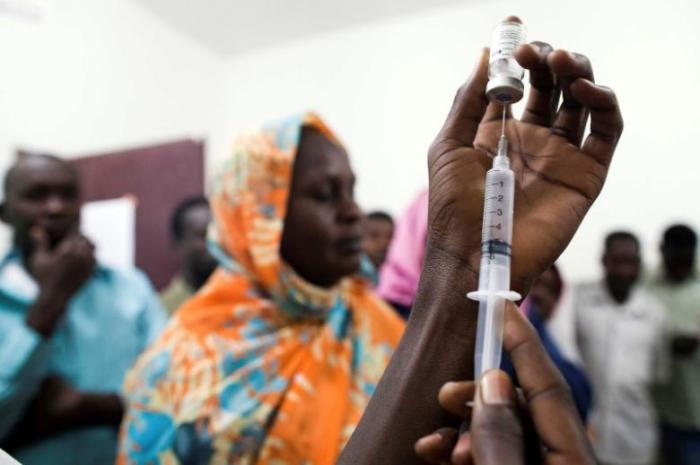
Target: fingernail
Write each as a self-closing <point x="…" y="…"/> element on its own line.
<point x="449" y="385"/>
<point x="434" y="438"/>
<point x="463" y="446"/>
<point x="495" y="388"/>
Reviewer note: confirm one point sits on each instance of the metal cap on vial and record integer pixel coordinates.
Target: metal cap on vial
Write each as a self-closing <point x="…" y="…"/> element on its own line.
<point x="504" y="89"/>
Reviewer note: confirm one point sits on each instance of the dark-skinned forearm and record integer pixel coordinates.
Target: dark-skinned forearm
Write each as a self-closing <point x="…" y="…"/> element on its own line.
<point x="46" y="311"/>
<point x="100" y="409"/>
<point x="437" y="347"/>
<point x="92" y="410"/>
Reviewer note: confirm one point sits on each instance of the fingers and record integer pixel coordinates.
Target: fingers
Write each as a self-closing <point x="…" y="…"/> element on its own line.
<point x="606" y="119"/>
<point x="462" y="452"/>
<point x="549" y="401"/>
<point x="40" y="239"/>
<point x="544" y="93"/>
<point x="570" y="121"/>
<point x="80" y="248"/>
<point x="496" y="431"/>
<point x="79" y="244"/>
<point x="83" y="242"/>
<point x="468" y="107"/>
<point x="455" y="395"/>
<point x="437" y="447"/>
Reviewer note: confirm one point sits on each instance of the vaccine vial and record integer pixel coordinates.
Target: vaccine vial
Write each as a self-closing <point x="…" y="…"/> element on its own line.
<point x="505" y="84"/>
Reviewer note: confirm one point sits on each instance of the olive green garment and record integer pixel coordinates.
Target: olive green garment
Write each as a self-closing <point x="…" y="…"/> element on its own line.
<point x="177" y="292"/>
<point x="678" y="398"/>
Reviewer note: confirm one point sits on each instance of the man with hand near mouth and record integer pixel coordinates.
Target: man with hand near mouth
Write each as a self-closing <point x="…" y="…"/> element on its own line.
<point x="70" y="326"/>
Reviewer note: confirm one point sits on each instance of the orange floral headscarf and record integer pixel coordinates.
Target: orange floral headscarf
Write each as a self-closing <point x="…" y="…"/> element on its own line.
<point x="260" y="367"/>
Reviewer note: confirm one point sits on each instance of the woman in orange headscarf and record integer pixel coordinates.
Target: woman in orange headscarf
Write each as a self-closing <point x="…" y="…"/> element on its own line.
<point x="274" y="360"/>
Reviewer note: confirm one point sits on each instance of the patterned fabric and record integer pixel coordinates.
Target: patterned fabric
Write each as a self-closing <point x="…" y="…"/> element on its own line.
<point x="260" y="367"/>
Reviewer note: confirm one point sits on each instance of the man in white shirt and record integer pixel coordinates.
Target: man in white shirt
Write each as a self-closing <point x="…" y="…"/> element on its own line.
<point x="619" y="331"/>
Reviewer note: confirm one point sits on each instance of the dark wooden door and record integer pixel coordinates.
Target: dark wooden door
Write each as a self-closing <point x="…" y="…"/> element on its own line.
<point x="159" y="176"/>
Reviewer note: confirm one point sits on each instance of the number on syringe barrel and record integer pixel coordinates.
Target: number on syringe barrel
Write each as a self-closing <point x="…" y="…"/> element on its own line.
<point x="494" y="211"/>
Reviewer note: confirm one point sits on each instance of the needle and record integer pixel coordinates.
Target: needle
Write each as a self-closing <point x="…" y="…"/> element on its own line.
<point x="503" y="122"/>
<point x="503" y="142"/>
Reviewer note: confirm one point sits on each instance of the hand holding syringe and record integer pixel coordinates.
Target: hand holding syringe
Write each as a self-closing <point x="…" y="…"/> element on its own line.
<point x="559" y="172"/>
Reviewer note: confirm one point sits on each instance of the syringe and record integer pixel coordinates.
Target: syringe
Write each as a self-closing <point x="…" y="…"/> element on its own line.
<point x="494" y="273"/>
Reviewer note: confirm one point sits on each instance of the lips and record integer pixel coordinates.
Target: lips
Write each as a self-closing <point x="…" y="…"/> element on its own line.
<point x="59" y="226"/>
<point x="349" y="245"/>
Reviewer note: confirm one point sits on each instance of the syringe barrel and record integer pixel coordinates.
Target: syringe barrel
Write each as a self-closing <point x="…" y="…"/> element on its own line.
<point x="489" y="336"/>
<point x="494" y="272"/>
<point x="497" y="228"/>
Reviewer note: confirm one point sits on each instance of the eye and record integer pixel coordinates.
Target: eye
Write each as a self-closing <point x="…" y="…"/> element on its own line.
<point x="322" y="194"/>
<point x="68" y="193"/>
<point x="36" y="193"/>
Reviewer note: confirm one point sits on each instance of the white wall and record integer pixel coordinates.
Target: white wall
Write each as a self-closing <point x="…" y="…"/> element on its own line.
<point x="103" y="74"/>
<point x="98" y="75"/>
<point x="386" y="89"/>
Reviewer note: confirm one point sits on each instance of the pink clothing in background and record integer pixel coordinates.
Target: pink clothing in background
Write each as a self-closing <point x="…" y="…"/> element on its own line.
<point x="398" y="278"/>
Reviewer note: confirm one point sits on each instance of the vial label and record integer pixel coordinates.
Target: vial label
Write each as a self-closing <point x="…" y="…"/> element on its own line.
<point x="506" y="38"/>
<point x="505" y="74"/>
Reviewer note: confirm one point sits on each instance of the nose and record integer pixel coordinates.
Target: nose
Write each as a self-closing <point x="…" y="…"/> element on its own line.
<point x="628" y="272"/>
<point x="55" y="205"/>
<point x="350" y="211"/>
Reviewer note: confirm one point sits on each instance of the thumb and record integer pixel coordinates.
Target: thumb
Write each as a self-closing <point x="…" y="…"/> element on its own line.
<point x="496" y="431"/>
<point x="40" y="239"/>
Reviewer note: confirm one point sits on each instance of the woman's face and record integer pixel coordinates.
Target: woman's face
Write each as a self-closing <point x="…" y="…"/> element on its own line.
<point x="322" y="237"/>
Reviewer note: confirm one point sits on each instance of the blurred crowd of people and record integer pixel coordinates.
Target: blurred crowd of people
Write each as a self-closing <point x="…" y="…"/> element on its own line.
<point x="627" y="343"/>
<point x="272" y="338"/>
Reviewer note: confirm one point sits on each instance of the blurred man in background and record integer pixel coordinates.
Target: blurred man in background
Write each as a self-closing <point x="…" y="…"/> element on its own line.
<point x="189" y="232"/>
<point x="678" y="399"/>
<point x="378" y="232"/>
<point x="70" y="326"/>
<point x="619" y="329"/>
<point x="540" y="306"/>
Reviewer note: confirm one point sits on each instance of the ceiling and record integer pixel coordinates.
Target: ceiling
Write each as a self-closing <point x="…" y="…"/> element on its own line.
<point x="234" y="26"/>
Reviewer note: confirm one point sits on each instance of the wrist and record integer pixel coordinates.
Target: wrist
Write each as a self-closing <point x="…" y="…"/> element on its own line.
<point x="445" y="280"/>
<point x="101" y="409"/>
<point x="464" y="250"/>
<point x="46" y="311"/>
<point x="469" y="258"/>
<point x="52" y="294"/>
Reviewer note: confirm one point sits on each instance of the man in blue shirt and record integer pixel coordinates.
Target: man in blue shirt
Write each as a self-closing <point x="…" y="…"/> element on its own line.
<point x="69" y="327"/>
